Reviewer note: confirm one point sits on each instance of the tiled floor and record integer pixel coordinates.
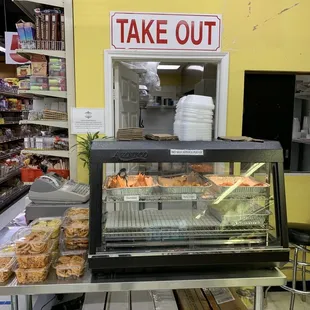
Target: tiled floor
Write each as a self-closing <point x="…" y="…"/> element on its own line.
<point x="281" y="301"/>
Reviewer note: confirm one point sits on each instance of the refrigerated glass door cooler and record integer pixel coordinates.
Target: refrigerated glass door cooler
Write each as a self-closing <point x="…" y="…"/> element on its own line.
<point x="172" y="205"/>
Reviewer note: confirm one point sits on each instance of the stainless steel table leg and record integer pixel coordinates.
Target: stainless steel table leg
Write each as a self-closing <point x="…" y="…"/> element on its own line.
<point x="292" y="303"/>
<point x="303" y="270"/>
<point x="28" y="302"/>
<point x="14" y="302"/>
<point x="259" y="298"/>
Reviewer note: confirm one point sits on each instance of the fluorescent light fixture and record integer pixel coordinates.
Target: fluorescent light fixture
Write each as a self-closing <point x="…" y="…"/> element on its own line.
<point x="168" y="67"/>
<point x="2" y="49"/>
<point x="194" y="67"/>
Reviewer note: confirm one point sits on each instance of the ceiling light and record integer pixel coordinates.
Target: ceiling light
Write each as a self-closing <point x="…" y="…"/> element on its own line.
<point x="168" y="67"/>
<point x="2" y="49"/>
<point x="193" y="67"/>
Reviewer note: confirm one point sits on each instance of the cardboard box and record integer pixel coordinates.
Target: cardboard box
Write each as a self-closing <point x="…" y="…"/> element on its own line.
<point x="23" y="70"/>
<point x="164" y="300"/>
<point x="211" y="299"/>
<point x="227" y="299"/>
<point x="39" y="65"/>
<point x="192" y="299"/>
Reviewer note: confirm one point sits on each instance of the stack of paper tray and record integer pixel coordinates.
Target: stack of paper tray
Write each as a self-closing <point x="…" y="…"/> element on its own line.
<point x="128" y="134"/>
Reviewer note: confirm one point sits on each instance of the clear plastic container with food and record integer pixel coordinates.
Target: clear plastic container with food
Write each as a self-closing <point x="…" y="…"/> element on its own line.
<point x="32" y="241"/>
<point x="51" y="223"/>
<point x="75" y="228"/>
<point x="77" y="212"/>
<point x="33" y="260"/>
<point x="35" y="275"/>
<point x="70" y="264"/>
<point x="7" y="261"/>
<point x="68" y="244"/>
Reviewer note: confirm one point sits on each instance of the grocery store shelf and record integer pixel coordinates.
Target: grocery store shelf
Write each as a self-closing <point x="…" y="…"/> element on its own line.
<point x="9" y="155"/>
<point x="8" y="200"/>
<point x="56" y="153"/>
<point x="9" y="123"/>
<point x="12" y="140"/>
<point x="302" y="141"/>
<point x="19" y="95"/>
<point x="28" y="6"/>
<point x="12" y="111"/>
<point x="52" y="123"/>
<point x="303" y="96"/>
<point x="28" y="52"/>
<point x="44" y="93"/>
<point x="10" y="175"/>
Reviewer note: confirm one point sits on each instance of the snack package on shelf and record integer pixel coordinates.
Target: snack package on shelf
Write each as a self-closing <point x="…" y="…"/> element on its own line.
<point x="74" y="243"/>
<point x="31" y="241"/>
<point x="7" y="261"/>
<point x="77" y="213"/>
<point x="39" y="66"/>
<point x="23" y="70"/>
<point x="38" y="83"/>
<point x="57" y="83"/>
<point x="75" y="228"/>
<point x="35" y="275"/>
<point x="70" y="264"/>
<point x="52" y="224"/>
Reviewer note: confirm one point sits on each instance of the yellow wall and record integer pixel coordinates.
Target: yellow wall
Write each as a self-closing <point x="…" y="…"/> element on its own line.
<point x="260" y="35"/>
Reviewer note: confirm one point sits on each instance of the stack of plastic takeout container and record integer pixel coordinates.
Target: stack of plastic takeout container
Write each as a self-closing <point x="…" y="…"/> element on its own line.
<point x="194" y="118"/>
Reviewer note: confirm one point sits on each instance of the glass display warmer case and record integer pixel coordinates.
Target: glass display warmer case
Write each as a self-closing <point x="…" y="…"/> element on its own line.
<point x="165" y="205"/>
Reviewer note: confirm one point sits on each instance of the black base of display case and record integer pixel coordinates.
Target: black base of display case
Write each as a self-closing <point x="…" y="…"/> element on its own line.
<point x="191" y="262"/>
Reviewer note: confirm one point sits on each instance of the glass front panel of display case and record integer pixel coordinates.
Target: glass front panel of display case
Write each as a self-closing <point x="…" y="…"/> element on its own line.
<point x="152" y="207"/>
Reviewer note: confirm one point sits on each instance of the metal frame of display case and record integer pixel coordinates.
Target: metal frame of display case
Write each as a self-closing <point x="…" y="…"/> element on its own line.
<point x="268" y="152"/>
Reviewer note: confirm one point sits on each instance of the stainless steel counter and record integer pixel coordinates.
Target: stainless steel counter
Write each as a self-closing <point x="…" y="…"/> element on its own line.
<point x="88" y="283"/>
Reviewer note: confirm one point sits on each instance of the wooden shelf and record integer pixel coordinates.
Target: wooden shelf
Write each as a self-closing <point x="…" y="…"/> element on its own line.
<point x="52" y="123"/>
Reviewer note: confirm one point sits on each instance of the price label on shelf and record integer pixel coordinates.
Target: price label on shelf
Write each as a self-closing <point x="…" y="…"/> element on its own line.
<point x="131" y="198"/>
<point x="176" y="152"/>
<point x="189" y="196"/>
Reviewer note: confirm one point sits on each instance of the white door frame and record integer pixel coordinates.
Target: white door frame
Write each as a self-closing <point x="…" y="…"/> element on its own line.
<point x="221" y="59"/>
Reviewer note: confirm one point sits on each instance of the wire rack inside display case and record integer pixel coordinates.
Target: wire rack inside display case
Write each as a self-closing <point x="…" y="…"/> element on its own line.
<point x="217" y="203"/>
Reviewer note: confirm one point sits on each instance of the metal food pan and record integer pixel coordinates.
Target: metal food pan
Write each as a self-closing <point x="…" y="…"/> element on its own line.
<point x="240" y="191"/>
<point x="130" y="191"/>
<point x="173" y="190"/>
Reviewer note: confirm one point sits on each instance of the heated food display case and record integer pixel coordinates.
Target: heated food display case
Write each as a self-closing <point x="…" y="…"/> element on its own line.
<point x="165" y="205"/>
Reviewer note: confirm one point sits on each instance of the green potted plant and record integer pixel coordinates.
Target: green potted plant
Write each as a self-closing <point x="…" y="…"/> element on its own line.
<point x="85" y="148"/>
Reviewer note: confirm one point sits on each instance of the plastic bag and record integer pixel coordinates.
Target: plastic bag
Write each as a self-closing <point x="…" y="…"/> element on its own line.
<point x="148" y="74"/>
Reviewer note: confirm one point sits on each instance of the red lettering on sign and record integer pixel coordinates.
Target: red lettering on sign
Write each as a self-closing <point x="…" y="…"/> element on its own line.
<point x="133" y="32"/>
<point x="146" y="31"/>
<point x="210" y="25"/>
<point x="122" y="22"/>
<point x="161" y="31"/>
<point x="200" y="33"/>
<point x="177" y="32"/>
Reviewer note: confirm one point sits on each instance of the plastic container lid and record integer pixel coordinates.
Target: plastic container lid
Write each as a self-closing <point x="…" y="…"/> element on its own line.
<point x="7" y="250"/>
<point x="49" y="223"/>
<point x="75" y="227"/>
<point x="31" y="241"/>
<point x="77" y="212"/>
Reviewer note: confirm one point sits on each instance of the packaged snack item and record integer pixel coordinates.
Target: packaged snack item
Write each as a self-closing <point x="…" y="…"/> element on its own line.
<point x="7" y="261"/>
<point x="75" y="243"/>
<point x="33" y="260"/>
<point x="25" y="276"/>
<point x="50" y="223"/>
<point x="74" y="228"/>
<point x="70" y="265"/>
<point x="76" y="212"/>
<point x="32" y="241"/>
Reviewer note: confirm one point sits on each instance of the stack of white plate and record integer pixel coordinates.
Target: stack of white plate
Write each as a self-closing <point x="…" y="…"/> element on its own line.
<point x="194" y="118"/>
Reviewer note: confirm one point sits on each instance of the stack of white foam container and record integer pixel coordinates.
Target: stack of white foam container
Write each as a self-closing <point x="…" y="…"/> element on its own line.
<point x="194" y="118"/>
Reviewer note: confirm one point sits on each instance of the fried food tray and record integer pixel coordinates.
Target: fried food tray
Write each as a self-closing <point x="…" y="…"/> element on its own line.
<point x="255" y="187"/>
<point x="179" y="190"/>
<point x="130" y="191"/>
